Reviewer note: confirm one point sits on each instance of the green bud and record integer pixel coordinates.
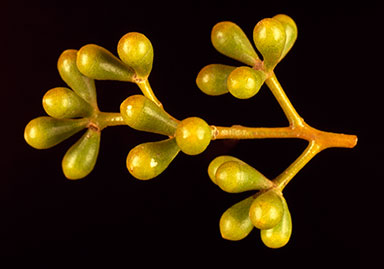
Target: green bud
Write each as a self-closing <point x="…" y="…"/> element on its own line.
<point x="235" y="223"/>
<point x="235" y="177"/>
<point x="244" y="82"/>
<point x="216" y="163"/>
<point x="98" y="63"/>
<point x="290" y="32"/>
<point x="136" y="51"/>
<point x="142" y="114"/>
<point x="82" y="85"/>
<point x="279" y="235"/>
<point x="230" y="40"/>
<point x="193" y="135"/>
<point x="63" y="103"/>
<point x="81" y="158"/>
<point x="46" y="132"/>
<point x="267" y="210"/>
<point x="212" y="79"/>
<point x="149" y="160"/>
<point x="269" y="37"/>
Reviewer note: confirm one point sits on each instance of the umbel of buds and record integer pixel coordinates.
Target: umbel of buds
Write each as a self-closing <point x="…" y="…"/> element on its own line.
<point x="73" y="108"/>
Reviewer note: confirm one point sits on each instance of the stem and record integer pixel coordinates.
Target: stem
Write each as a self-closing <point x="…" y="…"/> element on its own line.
<point x="328" y="139"/>
<point x="105" y="119"/>
<point x="146" y="89"/>
<point x="306" y="132"/>
<point x="242" y="132"/>
<point x="283" y="179"/>
<point x="289" y="111"/>
<point x="318" y="140"/>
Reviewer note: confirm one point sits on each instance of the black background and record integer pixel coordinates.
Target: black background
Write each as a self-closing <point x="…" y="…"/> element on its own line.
<point x="113" y="219"/>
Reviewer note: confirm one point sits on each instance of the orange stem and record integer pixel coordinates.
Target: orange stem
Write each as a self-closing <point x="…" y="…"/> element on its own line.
<point x="318" y="140"/>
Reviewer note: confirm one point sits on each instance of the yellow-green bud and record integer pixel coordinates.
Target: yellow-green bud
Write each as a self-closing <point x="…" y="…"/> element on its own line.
<point x="216" y="163"/>
<point x="80" y="84"/>
<point x="193" y="135"/>
<point x="46" y="132"/>
<point x="267" y="210"/>
<point x="63" y="103"/>
<point x="212" y="79"/>
<point x="235" y="223"/>
<point x="98" y="63"/>
<point x="136" y="51"/>
<point x="80" y="159"/>
<point x="230" y="40"/>
<point x="244" y="82"/>
<point x="269" y="37"/>
<point x="142" y="114"/>
<point x="148" y="160"/>
<point x="279" y="235"/>
<point x="290" y="32"/>
<point x="235" y="177"/>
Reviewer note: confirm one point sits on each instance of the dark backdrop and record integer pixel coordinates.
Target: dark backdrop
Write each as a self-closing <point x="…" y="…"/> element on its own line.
<point x="110" y="217"/>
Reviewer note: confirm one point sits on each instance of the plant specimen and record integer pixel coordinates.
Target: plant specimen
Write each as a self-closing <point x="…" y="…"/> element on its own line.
<point x="75" y="108"/>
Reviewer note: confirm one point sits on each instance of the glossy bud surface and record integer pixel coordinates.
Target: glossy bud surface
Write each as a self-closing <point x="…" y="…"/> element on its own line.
<point x="212" y="79"/>
<point x="266" y="210"/>
<point x="216" y="163"/>
<point x="46" y="132"/>
<point x="269" y="37"/>
<point x="142" y="114"/>
<point x="279" y="235"/>
<point x="193" y="135"/>
<point x="63" y="103"/>
<point x="230" y="40"/>
<point x="82" y="85"/>
<point x="235" y="223"/>
<point x="244" y="82"/>
<point x="235" y="177"/>
<point x="136" y="51"/>
<point x="290" y="32"/>
<point x="98" y="63"/>
<point x="80" y="159"/>
<point x="148" y="160"/>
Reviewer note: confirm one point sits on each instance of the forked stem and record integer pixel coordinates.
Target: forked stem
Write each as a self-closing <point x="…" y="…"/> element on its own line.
<point x="318" y="140"/>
